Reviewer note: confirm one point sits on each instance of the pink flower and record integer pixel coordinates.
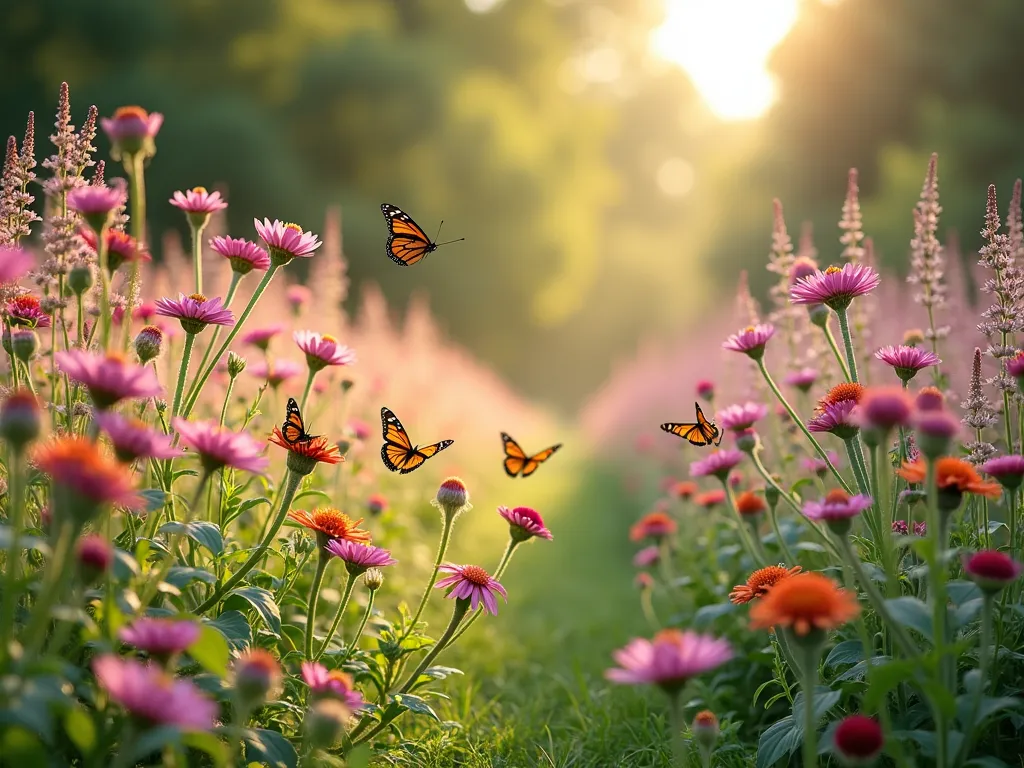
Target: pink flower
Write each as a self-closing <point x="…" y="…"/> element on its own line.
<point x="360" y="429"/>
<point x="669" y="660"/>
<point x="26" y="311"/>
<point x="376" y="503"/>
<point x="276" y="373"/>
<point x="286" y="241"/>
<point x="195" y="312"/>
<point x="298" y="296"/>
<point x="95" y="204"/>
<point x="150" y="694"/>
<point x="835" y="287"/>
<point x="705" y="389"/>
<point x="1008" y="470"/>
<point x="334" y="684"/>
<point x="718" y="463"/>
<point x="14" y="264"/>
<point x="740" y="417"/>
<point x="992" y="570"/>
<point x="838" y="419"/>
<point x="647" y="557"/>
<point x="198" y="201"/>
<point x="109" y="378"/>
<point x="751" y="340"/>
<point x="244" y="255"/>
<point x="1014" y="365"/>
<point x="858" y="740"/>
<point x="817" y="465"/>
<point x="884" y="408"/>
<point x="160" y="637"/>
<point x="131" y="124"/>
<point x="121" y="247"/>
<point x="473" y="583"/>
<point x="322" y="351"/>
<point x="144" y="312"/>
<point x="803" y="379"/>
<point x="358" y="557"/>
<point x="837" y="505"/>
<point x="525" y="523"/>
<point x="220" y="447"/>
<point x="260" y="337"/>
<point x="94" y="554"/>
<point x="907" y="361"/>
<point x="89" y="477"/>
<point x="132" y="439"/>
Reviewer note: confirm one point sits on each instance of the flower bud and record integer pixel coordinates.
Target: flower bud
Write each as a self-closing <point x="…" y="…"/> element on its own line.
<point x="324" y="722"/>
<point x="81" y="278"/>
<point x="149" y="343"/>
<point x="343" y="446"/>
<point x="20" y="423"/>
<point x="452" y="498"/>
<point x="376" y="504"/>
<point x="771" y="494"/>
<point x="706" y="390"/>
<point x="373" y="579"/>
<point x="24" y="344"/>
<point x="913" y="337"/>
<point x="94" y="555"/>
<point x="257" y="674"/>
<point x="992" y="570"/>
<point x="161" y="405"/>
<point x="935" y="432"/>
<point x="705" y="729"/>
<point x="858" y="740"/>
<point x="818" y="314"/>
<point x="236" y="364"/>
<point x="346" y="385"/>
<point x="746" y="440"/>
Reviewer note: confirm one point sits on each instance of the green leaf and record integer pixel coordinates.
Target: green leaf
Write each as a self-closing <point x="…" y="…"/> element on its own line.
<point x="927" y="742"/>
<point x="360" y="757"/>
<point x="235" y="628"/>
<point x="780" y="740"/>
<point x="803" y="481"/>
<point x="961" y="592"/>
<point x="824" y="699"/>
<point x="80" y="730"/>
<point x="180" y="575"/>
<point x="847" y="652"/>
<point x="244" y="507"/>
<point x="153" y="740"/>
<point x="269" y="748"/>
<point x="202" y="532"/>
<point x="988" y="706"/>
<point x="184" y="473"/>
<point x="808" y="546"/>
<point x="708" y="613"/>
<point x="154" y="498"/>
<point x="912" y="614"/>
<point x="124" y="565"/>
<point x="440" y="673"/>
<point x="885" y="678"/>
<point x="966" y="612"/>
<point x="415" y="704"/>
<point x="987" y="762"/>
<point x="312" y="492"/>
<point x="27" y="542"/>
<point x="208" y="743"/>
<point x="263" y="602"/>
<point x="860" y="670"/>
<point x="211" y="651"/>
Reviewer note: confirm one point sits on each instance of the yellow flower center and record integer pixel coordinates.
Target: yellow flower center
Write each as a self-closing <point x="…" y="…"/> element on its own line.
<point x="296" y="227"/>
<point x="832" y="270"/>
<point x="198" y="298"/>
<point x="749" y="329"/>
<point x="132" y="111"/>
<point x="837" y="496"/>
<point x="199" y="190"/>
<point x="328" y="337"/>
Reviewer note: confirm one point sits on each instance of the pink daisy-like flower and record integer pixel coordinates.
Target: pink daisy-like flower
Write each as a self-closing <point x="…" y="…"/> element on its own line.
<point x="243" y="255"/>
<point x="1015" y="366"/>
<point x="132" y="439"/>
<point x="719" y="464"/>
<point x="817" y="465"/>
<point x="132" y="129"/>
<point x="360" y="429"/>
<point x="992" y="570"/>
<point x="15" y="263"/>
<point x="148" y="693"/>
<point x="331" y="683"/>
<point x="160" y="637"/>
<point x="358" y="557"/>
<point x="740" y="417"/>
<point x="25" y="311"/>
<point x="751" y="340"/>
<point x="837" y="505"/>
<point x="1008" y="470"/>
<point x="835" y="287"/>
<point x="121" y="247"/>
<point x="275" y="373"/>
<point x="260" y="337"/>
<point x="109" y="378"/>
<point x="907" y="361"/>
<point x="220" y="447"/>
<point x="95" y="203"/>
<point x="525" y="523"/>
<point x="198" y="201"/>
<point x="473" y="583"/>
<point x="670" y="660"/>
<point x="322" y="351"/>
<point x="195" y="312"/>
<point x="837" y="419"/>
<point x="286" y="241"/>
<point x="884" y="408"/>
<point x="803" y="379"/>
<point x="145" y="312"/>
<point x="647" y="557"/>
<point x="298" y="296"/>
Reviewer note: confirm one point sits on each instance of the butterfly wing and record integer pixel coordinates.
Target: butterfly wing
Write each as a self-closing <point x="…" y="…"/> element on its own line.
<point x="515" y="457"/>
<point x="708" y="429"/>
<point x="407" y="242"/>
<point x="692" y="432"/>
<point x="398" y="452"/>
<point x="294" y="429"/>
<point x="538" y="458"/>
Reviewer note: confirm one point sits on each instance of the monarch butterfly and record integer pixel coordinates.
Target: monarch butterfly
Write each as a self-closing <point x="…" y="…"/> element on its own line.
<point x="408" y="243"/>
<point x="703" y="432"/>
<point x="294" y="429"/>
<point x="398" y="453"/>
<point x="516" y="460"/>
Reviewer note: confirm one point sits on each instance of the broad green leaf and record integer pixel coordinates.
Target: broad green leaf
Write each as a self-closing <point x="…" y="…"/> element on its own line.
<point x="235" y="628"/>
<point x="780" y="740"/>
<point x="263" y="602"/>
<point x="884" y="678"/>
<point x="312" y="492"/>
<point x="211" y="651"/>
<point x="360" y="756"/>
<point x="200" y="531"/>
<point x="180" y="575"/>
<point x="209" y="744"/>
<point x="80" y="729"/>
<point x="269" y="748"/>
<point x="709" y="613"/>
<point x="27" y="542"/>
<point x="966" y="612"/>
<point x="911" y="613"/>
<point x="961" y="592"/>
<point x="927" y="742"/>
<point x="153" y="740"/>
<point x="415" y="704"/>
<point x="988" y="706"/>
<point x="19" y="746"/>
<point x="847" y="652"/>
<point x="440" y="673"/>
<point x="987" y="762"/>
<point x="154" y="498"/>
<point x="860" y="670"/>
<point x="124" y="565"/>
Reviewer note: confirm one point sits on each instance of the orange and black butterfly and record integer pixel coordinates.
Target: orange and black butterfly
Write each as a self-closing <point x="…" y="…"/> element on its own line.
<point x="408" y="243"/>
<point x="294" y="428"/>
<point x="398" y="453"/>
<point x="518" y="463"/>
<point x="703" y="432"/>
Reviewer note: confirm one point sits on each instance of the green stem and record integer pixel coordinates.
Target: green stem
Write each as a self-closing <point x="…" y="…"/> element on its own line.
<point x="309" y="386"/>
<point x="859" y="470"/>
<point x="506" y="558"/>
<point x="461" y="606"/>
<point x="446" y="533"/>
<point x="50" y="590"/>
<point x="346" y="596"/>
<point x="135" y="167"/>
<point x="984" y="658"/>
<point x="751" y="544"/>
<point x="106" y="317"/>
<point x="1012" y="521"/>
<point x="831" y="339"/>
<point x="15" y="522"/>
<point x="676" y="723"/>
<point x="844" y="329"/>
<point x="783" y="547"/>
<point x="362" y="625"/>
<point x="186" y="356"/>
<point x="314" y="599"/>
<point x="235" y="277"/>
<point x="197" y="255"/>
<point x="502" y="565"/>
<point x="227" y="399"/>
<point x="875" y="598"/>
<point x="809" y="682"/>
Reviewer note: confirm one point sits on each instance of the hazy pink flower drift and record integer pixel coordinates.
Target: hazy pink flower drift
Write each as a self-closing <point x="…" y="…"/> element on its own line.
<point x="150" y="694"/>
<point x="15" y="263"/>
<point x="669" y="660"/>
<point x="109" y="378"/>
<point x="220" y="447"/>
<point x="160" y="637"/>
<point x="133" y="439"/>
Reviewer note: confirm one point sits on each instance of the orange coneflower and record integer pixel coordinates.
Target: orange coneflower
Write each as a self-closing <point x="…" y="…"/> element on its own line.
<point x="760" y="582"/>
<point x="841" y="393"/>
<point x="317" y="449"/>
<point x="952" y="475"/>
<point x="330" y="523"/>
<point x="87" y="477"/>
<point x="805" y="602"/>
<point x="654" y="525"/>
<point x="750" y="503"/>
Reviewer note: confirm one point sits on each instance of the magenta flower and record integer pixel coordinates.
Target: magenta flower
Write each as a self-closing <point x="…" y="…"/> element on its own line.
<point x="803" y="379"/>
<point x="838" y="419"/>
<point x="740" y="417"/>
<point x="907" y="361"/>
<point x="647" y="557"/>
<point x="884" y="408"/>
<point x="705" y="389"/>
<point x="95" y="204"/>
<point x="334" y="684"/>
<point x="358" y="557"/>
<point x="837" y="505"/>
<point x="1008" y="470"/>
<point x="835" y="287"/>
<point x="298" y="296"/>
<point x="286" y="241"/>
<point x="243" y="255"/>
<point x="751" y="340"/>
<point x="322" y="351"/>
<point x="132" y="129"/>
<point x="198" y="201"/>
<point x="921" y="528"/>
<point x="26" y="311"/>
<point x="1014" y="365"/>
<point x="14" y="264"/>
<point x="260" y="337"/>
<point x="900" y="528"/>
<point x="525" y="523"/>
<point x="109" y="378"/>
<point x="121" y="247"/>
<point x="275" y="373"/>
<point x="195" y="312"/>
<point x="473" y="583"/>
<point x="151" y="695"/>
<point x="718" y="463"/>
<point x="94" y="554"/>
<point x="160" y="637"/>
<point x="360" y="429"/>
<point x="132" y="439"/>
<point x="220" y="447"/>
<point x="670" y="660"/>
<point x="992" y="570"/>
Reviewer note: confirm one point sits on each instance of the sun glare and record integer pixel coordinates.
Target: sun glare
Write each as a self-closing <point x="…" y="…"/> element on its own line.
<point x="724" y="46"/>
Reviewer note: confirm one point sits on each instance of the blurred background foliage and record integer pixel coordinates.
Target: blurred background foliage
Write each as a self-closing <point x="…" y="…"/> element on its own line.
<point x="601" y="201"/>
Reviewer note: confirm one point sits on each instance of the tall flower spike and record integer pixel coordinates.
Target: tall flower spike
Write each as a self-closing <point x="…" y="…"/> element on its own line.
<point x="1015" y="224"/>
<point x="926" y="257"/>
<point x="980" y="414"/>
<point x="1003" y="318"/>
<point x="851" y="222"/>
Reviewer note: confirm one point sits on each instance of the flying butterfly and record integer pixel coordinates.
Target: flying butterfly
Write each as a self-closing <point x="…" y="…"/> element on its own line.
<point x="703" y="432"/>
<point x="294" y="428"/>
<point x="518" y="463"/>
<point x="398" y="453"/>
<point x="408" y="243"/>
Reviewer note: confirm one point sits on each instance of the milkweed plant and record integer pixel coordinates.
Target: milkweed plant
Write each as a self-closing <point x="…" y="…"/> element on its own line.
<point x="859" y="574"/>
<point x="183" y="584"/>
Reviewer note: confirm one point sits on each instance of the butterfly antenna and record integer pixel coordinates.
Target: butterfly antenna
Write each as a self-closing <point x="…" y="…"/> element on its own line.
<point x="447" y="242"/>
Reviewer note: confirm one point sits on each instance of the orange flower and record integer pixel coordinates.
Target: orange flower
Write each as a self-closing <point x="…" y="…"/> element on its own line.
<point x="805" y="602"/>
<point x="951" y="475"/>
<point x="749" y="503"/>
<point x="88" y="477"/>
<point x="315" y="450"/>
<point x="654" y="525"/>
<point x="684" y="489"/>
<point x="760" y="582"/>
<point x="841" y="393"/>
<point x="330" y="523"/>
